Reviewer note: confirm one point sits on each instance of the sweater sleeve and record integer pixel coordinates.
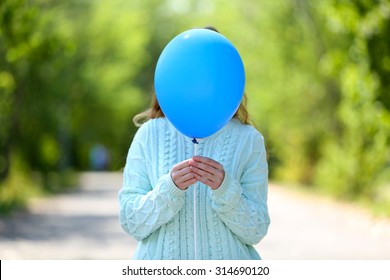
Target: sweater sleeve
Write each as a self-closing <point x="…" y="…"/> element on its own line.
<point x="145" y="208"/>
<point x="242" y="204"/>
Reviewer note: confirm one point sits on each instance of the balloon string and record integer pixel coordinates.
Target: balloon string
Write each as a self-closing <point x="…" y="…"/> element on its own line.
<point x="195" y="223"/>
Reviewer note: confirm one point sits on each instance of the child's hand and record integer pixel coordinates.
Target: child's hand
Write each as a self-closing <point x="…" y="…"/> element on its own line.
<point x="182" y="175"/>
<point x="207" y="171"/>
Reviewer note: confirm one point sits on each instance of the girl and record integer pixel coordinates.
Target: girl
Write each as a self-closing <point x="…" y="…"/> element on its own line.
<point x="231" y="180"/>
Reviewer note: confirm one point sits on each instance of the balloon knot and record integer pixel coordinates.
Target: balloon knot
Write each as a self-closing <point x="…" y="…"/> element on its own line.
<point x="195" y="141"/>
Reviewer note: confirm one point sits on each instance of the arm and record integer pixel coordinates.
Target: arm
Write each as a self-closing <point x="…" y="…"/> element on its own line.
<point x="242" y="204"/>
<point x="145" y="208"/>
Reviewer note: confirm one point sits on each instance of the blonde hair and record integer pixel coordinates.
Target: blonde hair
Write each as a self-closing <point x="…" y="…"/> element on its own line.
<point x="153" y="112"/>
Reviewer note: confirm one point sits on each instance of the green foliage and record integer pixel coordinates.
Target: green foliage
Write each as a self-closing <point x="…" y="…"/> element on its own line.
<point x="353" y="162"/>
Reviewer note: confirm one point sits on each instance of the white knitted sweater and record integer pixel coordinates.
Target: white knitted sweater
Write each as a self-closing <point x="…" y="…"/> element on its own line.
<point x="160" y="216"/>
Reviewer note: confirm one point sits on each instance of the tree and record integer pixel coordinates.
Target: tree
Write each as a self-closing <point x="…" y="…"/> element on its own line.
<point x="358" y="154"/>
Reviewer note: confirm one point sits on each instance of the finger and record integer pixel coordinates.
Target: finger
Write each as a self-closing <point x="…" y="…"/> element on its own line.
<point x="211" y="184"/>
<point x="181" y="165"/>
<point x="184" y="171"/>
<point x="177" y="175"/>
<point x="204" y="167"/>
<point x="183" y="181"/>
<point x="214" y="180"/>
<point x="188" y="183"/>
<point x="202" y="173"/>
<point x="207" y="161"/>
<point x="187" y="177"/>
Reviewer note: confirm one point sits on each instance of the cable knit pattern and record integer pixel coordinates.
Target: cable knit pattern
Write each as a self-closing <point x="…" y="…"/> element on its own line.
<point x="230" y="220"/>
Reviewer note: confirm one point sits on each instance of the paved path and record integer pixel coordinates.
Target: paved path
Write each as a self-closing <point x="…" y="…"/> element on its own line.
<point x="309" y="227"/>
<point x="84" y="225"/>
<point x="79" y="225"/>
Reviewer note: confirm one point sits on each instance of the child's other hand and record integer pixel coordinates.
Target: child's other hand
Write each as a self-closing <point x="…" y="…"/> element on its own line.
<point x="182" y="175"/>
<point x="207" y="171"/>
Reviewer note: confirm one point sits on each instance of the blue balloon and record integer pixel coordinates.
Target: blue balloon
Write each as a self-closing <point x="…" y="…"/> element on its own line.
<point x="199" y="82"/>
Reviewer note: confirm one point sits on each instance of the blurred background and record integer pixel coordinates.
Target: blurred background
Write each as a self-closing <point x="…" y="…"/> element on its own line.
<point x="73" y="74"/>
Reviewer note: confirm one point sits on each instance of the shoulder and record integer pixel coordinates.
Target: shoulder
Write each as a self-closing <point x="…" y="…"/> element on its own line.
<point x="248" y="140"/>
<point x="151" y="127"/>
<point x="147" y="136"/>
<point x="246" y="131"/>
